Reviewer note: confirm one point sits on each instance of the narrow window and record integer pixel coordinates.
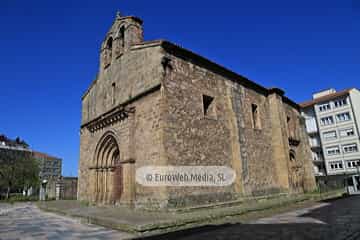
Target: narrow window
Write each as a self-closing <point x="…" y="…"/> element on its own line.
<point x="292" y="155"/>
<point x="113" y="88"/>
<point x="289" y="126"/>
<point x="288" y="121"/>
<point x="207" y="103"/>
<point x="255" y="116"/>
<point x="122" y="36"/>
<point x="107" y="57"/>
<point x="109" y="44"/>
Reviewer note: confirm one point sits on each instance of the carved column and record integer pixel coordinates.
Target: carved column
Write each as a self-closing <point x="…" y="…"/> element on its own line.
<point x="105" y="185"/>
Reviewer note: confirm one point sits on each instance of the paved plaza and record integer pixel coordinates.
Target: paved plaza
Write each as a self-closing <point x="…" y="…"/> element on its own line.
<point x="334" y="219"/>
<point x="25" y="222"/>
<point x="328" y="220"/>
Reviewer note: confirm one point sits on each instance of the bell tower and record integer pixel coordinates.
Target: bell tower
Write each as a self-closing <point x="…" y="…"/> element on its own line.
<point x="124" y="33"/>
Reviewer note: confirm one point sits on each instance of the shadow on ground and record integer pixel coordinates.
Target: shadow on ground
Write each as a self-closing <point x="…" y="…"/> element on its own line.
<point x="340" y="219"/>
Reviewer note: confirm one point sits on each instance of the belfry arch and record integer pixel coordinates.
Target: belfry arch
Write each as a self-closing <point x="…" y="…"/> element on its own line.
<point x="108" y="170"/>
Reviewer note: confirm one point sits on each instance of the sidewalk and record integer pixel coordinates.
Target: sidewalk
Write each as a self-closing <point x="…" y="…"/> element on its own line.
<point x="143" y="223"/>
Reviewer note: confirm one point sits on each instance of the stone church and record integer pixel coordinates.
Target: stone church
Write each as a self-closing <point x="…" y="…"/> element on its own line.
<point x="154" y="103"/>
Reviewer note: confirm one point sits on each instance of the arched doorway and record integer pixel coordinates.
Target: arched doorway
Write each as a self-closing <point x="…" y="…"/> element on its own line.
<point x="108" y="170"/>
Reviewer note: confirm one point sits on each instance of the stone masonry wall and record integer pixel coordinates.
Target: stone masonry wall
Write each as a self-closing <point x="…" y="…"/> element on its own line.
<point x="133" y="73"/>
<point x="190" y="137"/>
<point x="140" y="141"/>
<point x="227" y="136"/>
<point x="301" y="170"/>
<point x="224" y="138"/>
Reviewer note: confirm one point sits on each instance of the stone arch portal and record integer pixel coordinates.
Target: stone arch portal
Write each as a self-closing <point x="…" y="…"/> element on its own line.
<point x="108" y="171"/>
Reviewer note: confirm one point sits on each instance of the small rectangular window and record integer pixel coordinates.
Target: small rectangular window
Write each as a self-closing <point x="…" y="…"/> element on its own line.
<point x="342" y="117"/>
<point x="255" y="116"/>
<point x="350" y="148"/>
<point x="207" y="101"/>
<point x="333" y="150"/>
<point x="327" y="121"/>
<point x="336" y="165"/>
<point x="340" y="103"/>
<point x="353" y="163"/>
<point x="209" y="107"/>
<point x="347" y="132"/>
<point x="330" y="135"/>
<point x="324" y="107"/>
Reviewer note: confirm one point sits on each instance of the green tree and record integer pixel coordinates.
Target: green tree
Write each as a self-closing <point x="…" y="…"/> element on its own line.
<point x="18" y="171"/>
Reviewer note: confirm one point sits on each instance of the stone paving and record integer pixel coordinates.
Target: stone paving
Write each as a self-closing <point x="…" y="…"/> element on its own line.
<point x="329" y="220"/>
<point x="25" y="221"/>
<point x="334" y="219"/>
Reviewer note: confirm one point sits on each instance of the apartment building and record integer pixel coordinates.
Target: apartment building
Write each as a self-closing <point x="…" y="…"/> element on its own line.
<point x="332" y="123"/>
<point x="50" y="167"/>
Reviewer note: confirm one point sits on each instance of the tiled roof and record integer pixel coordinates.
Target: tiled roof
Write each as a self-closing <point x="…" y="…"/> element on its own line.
<point x="44" y="155"/>
<point x="325" y="98"/>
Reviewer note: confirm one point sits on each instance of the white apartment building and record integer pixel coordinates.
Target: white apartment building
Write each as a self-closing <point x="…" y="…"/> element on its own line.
<point x="332" y="122"/>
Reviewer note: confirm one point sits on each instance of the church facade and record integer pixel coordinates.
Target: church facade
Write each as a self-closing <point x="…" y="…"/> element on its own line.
<point x="154" y="103"/>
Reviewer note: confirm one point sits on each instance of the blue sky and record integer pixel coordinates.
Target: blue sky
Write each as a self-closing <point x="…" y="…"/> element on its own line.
<point x="49" y="53"/>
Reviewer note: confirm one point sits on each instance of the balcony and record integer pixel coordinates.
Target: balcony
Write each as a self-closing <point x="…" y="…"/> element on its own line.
<point x="314" y="142"/>
<point x="311" y="126"/>
<point x="319" y="174"/>
<point x="318" y="160"/>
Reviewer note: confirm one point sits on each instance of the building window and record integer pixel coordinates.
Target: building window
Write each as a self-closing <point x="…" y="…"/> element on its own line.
<point x="107" y="55"/>
<point x="317" y="156"/>
<point x="327" y="120"/>
<point x="255" y="116"/>
<point x="122" y="36"/>
<point x="353" y="163"/>
<point x="208" y="106"/>
<point x="342" y="117"/>
<point x="292" y="155"/>
<point x="113" y="88"/>
<point x="336" y="165"/>
<point x="330" y="135"/>
<point x="340" y="102"/>
<point x="324" y="107"/>
<point x="347" y="132"/>
<point x="350" y="148"/>
<point x="289" y="126"/>
<point x="333" y="150"/>
<point x="109" y="46"/>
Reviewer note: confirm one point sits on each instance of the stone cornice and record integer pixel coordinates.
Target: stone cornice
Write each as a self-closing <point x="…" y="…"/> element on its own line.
<point x="124" y="104"/>
<point x="115" y="115"/>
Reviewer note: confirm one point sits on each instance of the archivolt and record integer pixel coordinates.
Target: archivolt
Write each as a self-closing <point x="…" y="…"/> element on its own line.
<point x="106" y="152"/>
<point x="106" y="161"/>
